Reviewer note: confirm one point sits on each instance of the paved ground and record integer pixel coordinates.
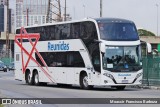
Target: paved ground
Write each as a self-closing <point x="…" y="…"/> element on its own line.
<point x="11" y="88"/>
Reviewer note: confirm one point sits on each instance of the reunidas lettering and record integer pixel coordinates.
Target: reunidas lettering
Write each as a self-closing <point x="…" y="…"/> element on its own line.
<point x="60" y="46"/>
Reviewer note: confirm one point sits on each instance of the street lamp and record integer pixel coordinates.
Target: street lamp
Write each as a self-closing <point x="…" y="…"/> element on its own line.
<point x="100" y="8"/>
<point x="157" y="18"/>
<point x="84" y="10"/>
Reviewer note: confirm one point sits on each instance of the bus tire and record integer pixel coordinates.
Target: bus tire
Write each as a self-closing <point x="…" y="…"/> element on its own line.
<point x="36" y="79"/>
<point x="29" y="78"/>
<point x="84" y="82"/>
<point x="120" y="87"/>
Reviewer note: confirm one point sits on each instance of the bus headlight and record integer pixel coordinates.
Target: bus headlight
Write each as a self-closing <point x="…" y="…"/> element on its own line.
<point x="108" y="75"/>
<point x="138" y="75"/>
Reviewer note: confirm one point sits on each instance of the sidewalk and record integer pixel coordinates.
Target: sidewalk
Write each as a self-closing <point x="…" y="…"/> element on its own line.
<point x="151" y="87"/>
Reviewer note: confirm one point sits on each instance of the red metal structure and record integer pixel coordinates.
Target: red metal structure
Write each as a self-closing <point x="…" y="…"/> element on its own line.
<point x="19" y="41"/>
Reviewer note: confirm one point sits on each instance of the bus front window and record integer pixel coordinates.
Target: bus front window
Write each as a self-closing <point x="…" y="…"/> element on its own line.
<point x="118" y="31"/>
<point x="122" y="59"/>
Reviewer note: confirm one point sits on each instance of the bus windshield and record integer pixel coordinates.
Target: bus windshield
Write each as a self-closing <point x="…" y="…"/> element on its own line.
<point x="122" y="59"/>
<point x="118" y="31"/>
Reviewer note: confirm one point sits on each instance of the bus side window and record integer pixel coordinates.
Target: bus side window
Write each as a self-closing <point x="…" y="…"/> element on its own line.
<point x="75" y="30"/>
<point x="66" y="31"/>
<point x="70" y="59"/>
<point x="78" y="60"/>
<point x="88" y="30"/>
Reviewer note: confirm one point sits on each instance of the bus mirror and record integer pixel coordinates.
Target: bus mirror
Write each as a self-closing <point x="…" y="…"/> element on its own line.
<point x="103" y="47"/>
<point x="97" y="41"/>
<point x="149" y="47"/>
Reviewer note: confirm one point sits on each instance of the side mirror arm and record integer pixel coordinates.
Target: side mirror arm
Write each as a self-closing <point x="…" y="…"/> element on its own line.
<point x="148" y="46"/>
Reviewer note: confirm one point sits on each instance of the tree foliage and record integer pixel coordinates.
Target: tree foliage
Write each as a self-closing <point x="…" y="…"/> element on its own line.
<point x="143" y="32"/>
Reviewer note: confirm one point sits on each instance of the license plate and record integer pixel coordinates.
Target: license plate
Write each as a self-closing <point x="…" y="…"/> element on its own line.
<point x="124" y="81"/>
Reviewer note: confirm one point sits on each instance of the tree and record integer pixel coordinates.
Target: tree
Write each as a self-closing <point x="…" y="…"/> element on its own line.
<point x="142" y="32"/>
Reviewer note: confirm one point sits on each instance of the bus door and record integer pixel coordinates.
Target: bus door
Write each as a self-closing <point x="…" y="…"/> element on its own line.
<point x="18" y="66"/>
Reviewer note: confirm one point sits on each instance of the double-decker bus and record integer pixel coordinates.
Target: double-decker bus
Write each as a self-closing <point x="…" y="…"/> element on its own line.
<point x="88" y="52"/>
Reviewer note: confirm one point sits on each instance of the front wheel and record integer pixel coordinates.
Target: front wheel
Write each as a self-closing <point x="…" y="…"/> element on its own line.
<point x="84" y="82"/>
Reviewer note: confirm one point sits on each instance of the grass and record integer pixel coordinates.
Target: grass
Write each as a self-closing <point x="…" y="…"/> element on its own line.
<point x="1" y="105"/>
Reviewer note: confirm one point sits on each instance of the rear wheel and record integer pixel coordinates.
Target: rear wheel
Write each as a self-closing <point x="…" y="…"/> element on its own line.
<point x="29" y="79"/>
<point x="84" y="82"/>
<point x="36" y="79"/>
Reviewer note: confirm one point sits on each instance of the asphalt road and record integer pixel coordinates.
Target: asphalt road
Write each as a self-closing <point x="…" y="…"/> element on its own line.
<point x="10" y="88"/>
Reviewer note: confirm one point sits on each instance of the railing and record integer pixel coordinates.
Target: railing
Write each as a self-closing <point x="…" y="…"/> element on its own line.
<point x="151" y="70"/>
<point x="7" y="61"/>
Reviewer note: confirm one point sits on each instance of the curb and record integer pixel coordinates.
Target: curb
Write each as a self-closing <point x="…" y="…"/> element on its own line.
<point x="147" y="87"/>
<point x="151" y="87"/>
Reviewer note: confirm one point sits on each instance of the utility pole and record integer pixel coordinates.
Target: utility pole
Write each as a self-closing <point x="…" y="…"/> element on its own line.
<point x="27" y="14"/>
<point x="48" y="10"/>
<point x="157" y="18"/>
<point x="100" y="8"/>
<point x="65" y="11"/>
<point x="7" y="30"/>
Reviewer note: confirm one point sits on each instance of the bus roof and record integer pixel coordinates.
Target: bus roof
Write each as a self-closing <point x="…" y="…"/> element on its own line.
<point x="113" y="20"/>
<point x="85" y="19"/>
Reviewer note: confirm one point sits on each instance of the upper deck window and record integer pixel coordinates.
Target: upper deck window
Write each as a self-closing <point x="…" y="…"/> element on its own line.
<point x="118" y="31"/>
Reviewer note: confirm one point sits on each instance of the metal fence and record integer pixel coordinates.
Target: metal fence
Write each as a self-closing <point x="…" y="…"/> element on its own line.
<point x="7" y="61"/>
<point x="151" y="68"/>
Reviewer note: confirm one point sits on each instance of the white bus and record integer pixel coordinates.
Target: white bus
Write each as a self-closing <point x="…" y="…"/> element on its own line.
<point x="89" y="52"/>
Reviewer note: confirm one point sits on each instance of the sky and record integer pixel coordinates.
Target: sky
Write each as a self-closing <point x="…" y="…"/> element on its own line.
<point x="142" y="12"/>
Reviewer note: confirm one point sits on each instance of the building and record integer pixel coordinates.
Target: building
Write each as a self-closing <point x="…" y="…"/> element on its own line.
<point x="3" y="2"/>
<point x="3" y="19"/>
<point x="154" y="41"/>
<point x="30" y="12"/>
<point x="3" y="28"/>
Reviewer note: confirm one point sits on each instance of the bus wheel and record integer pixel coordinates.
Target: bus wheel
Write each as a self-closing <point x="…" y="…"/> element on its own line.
<point x="29" y="79"/>
<point x="36" y="79"/>
<point x="84" y="82"/>
<point x="120" y="87"/>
